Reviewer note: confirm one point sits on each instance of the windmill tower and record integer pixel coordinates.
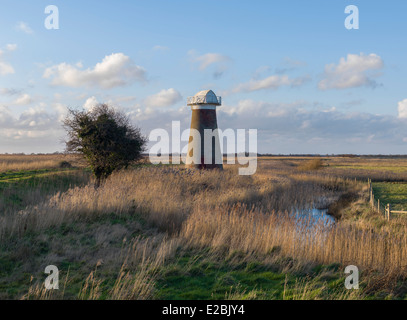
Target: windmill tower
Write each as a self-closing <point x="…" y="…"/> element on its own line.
<point x="203" y="146"/>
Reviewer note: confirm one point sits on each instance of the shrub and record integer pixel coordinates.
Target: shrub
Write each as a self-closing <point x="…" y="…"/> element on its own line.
<point x="65" y="164"/>
<point x="105" y="137"/>
<point x="313" y="164"/>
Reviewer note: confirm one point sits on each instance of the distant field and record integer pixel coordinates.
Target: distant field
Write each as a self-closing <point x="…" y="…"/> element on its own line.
<point x="36" y="162"/>
<point x="361" y="168"/>
<point x="394" y="166"/>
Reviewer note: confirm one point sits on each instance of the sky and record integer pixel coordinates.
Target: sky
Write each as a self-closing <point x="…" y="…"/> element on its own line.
<point x="289" y="69"/>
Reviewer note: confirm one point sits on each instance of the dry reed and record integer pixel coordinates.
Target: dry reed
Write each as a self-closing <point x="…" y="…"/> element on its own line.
<point x="221" y="211"/>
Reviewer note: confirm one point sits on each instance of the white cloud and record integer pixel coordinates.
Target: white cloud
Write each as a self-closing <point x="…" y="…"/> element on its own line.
<point x="271" y="82"/>
<point x="61" y="110"/>
<point x="297" y="127"/>
<point x="5" y="67"/>
<point x="11" y="46"/>
<point x="34" y="130"/>
<point x="32" y="119"/>
<point x="115" y="70"/>
<point x="22" y="26"/>
<point x="5" y="115"/>
<point x="90" y="103"/>
<point x="35" y="117"/>
<point x="302" y="124"/>
<point x="402" y="109"/>
<point x="24" y="99"/>
<point x="164" y="98"/>
<point x="350" y="72"/>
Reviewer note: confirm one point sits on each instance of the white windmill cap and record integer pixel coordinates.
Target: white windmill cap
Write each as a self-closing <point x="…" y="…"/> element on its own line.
<point x="205" y="97"/>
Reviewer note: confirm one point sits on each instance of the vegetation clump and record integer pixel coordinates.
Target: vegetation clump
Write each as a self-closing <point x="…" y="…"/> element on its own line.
<point x="105" y="137"/>
<point x="314" y="164"/>
<point x="65" y="164"/>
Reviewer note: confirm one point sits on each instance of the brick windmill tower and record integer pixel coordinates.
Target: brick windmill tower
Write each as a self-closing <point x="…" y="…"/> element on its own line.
<point x="203" y="106"/>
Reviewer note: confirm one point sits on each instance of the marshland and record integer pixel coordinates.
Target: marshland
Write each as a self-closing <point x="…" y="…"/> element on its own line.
<point x="166" y="232"/>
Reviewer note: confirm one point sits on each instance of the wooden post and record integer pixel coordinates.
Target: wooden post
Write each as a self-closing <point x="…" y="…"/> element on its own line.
<point x="378" y="205"/>
<point x="372" y="199"/>
<point x="368" y="185"/>
<point x="387" y="215"/>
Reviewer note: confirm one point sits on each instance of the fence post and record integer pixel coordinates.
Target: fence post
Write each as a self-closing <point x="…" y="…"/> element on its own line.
<point x="387" y="215"/>
<point x="388" y="218"/>
<point x="378" y="205"/>
<point x="368" y="185"/>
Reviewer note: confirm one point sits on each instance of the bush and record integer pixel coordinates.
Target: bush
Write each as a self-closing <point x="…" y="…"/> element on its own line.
<point x="65" y="164"/>
<point x="313" y="164"/>
<point x="105" y="137"/>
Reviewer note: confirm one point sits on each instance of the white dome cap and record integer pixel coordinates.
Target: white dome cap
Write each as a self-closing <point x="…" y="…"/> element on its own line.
<point x="204" y="97"/>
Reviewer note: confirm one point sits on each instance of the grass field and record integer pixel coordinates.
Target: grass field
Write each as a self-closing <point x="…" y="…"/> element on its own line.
<point x="164" y="232"/>
<point x="394" y="193"/>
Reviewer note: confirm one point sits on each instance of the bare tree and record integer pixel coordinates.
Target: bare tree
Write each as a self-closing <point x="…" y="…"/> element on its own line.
<point x="105" y="137"/>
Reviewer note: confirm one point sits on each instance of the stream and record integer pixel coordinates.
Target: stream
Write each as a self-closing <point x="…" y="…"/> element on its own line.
<point x="317" y="216"/>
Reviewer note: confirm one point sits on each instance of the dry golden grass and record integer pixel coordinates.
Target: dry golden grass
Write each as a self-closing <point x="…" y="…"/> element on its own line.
<point x="166" y="197"/>
<point x="35" y="162"/>
<point x="226" y="213"/>
<point x="313" y="164"/>
<point x="238" y="228"/>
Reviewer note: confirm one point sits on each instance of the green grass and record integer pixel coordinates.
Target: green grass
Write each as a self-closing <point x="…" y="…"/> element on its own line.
<point x="72" y="247"/>
<point x="199" y="277"/>
<point x="394" y="169"/>
<point x="394" y="193"/>
<point x="21" y="188"/>
<point x="13" y="176"/>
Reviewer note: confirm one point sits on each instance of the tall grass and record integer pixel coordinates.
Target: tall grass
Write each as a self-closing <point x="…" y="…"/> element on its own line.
<point x="313" y="164"/>
<point x="164" y="197"/>
<point x="239" y="228"/>
<point x="216" y="210"/>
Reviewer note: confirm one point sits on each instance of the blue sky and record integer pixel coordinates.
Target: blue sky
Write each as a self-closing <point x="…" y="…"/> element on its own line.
<point x="289" y="69"/>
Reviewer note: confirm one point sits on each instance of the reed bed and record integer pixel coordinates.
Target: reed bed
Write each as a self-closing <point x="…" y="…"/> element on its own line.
<point x="165" y="197"/>
<point x="223" y="212"/>
<point x="251" y="231"/>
